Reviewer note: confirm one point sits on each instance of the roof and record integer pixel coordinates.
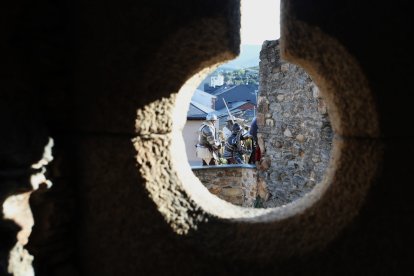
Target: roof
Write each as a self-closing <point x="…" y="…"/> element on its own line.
<point x="203" y="98"/>
<point x="198" y="111"/>
<point x="201" y="107"/>
<point x="201" y="93"/>
<point x="237" y="93"/>
<point x="223" y="112"/>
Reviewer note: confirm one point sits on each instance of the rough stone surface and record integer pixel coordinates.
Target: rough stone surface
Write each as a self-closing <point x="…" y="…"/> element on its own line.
<point x="297" y="134"/>
<point x="81" y="70"/>
<point x="235" y="184"/>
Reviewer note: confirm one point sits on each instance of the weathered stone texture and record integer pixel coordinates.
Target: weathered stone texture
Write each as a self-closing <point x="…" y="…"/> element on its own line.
<point x="294" y="126"/>
<point x="78" y="71"/>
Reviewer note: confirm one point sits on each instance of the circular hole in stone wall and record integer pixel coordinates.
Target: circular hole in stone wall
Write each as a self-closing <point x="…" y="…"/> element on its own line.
<point x="288" y="153"/>
<point x="283" y="147"/>
<point x="292" y="121"/>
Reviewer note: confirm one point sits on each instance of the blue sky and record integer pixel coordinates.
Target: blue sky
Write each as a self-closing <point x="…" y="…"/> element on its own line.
<point x="259" y="21"/>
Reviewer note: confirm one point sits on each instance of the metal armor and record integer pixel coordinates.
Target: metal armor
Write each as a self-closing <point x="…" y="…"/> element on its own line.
<point x="207" y="136"/>
<point x="233" y="148"/>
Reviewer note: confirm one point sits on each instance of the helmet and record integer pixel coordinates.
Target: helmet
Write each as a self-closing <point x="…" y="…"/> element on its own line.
<point x="211" y="117"/>
<point x="231" y="118"/>
<point x="237" y="127"/>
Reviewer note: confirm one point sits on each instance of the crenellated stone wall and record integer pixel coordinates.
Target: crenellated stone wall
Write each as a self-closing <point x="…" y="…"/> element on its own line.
<point x="236" y="184"/>
<point x="293" y="127"/>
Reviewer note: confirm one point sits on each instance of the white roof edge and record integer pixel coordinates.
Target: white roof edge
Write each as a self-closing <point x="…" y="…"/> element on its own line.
<point x="205" y="93"/>
<point x="202" y="107"/>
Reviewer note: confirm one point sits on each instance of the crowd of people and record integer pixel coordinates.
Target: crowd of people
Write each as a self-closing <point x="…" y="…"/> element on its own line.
<point x="235" y="144"/>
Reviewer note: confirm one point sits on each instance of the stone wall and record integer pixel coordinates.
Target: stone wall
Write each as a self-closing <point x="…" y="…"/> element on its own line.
<point x="81" y="70"/>
<point x="236" y="184"/>
<point x="293" y="127"/>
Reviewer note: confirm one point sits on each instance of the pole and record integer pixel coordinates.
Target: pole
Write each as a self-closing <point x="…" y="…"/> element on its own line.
<point x="228" y="111"/>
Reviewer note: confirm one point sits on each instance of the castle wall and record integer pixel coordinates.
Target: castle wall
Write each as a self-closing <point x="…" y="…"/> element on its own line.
<point x="294" y="126"/>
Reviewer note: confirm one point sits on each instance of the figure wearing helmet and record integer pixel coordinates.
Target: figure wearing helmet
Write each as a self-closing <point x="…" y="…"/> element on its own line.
<point x="227" y="129"/>
<point x="208" y="142"/>
<point x="233" y="150"/>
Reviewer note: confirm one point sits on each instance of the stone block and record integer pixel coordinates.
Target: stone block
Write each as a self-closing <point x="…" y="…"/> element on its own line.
<point x="264" y="163"/>
<point x="300" y="138"/>
<point x="215" y="190"/>
<point x="287" y="133"/>
<point x="270" y="122"/>
<point x="280" y="98"/>
<point x="262" y="190"/>
<point x="284" y="67"/>
<point x="275" y="70"/>
<point x="260" y="119"/>
<point x="231" y="192"/>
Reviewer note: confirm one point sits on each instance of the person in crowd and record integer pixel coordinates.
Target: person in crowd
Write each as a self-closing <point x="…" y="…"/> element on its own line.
<point x="208" y="142"/>
<point x="233" y="149"/>
<point x="255" y="154"/>
<point x="227" y="129"/>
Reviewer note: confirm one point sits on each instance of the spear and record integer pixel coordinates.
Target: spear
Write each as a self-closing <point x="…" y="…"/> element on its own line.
<point x="228" y="111"/>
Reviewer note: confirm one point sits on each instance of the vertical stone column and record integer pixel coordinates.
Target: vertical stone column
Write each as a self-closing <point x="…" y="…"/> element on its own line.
<point x="294" y="128"/>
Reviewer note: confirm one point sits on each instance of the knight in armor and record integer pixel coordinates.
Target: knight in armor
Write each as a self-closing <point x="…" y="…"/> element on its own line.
<point x="208" y="142"/>
<point x="233" y="149"/>
<point x="227" y="129"/>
